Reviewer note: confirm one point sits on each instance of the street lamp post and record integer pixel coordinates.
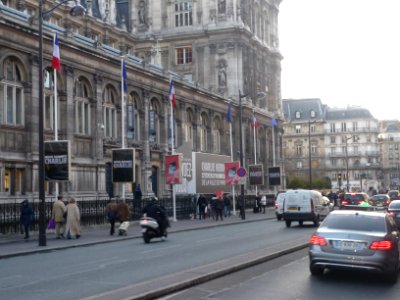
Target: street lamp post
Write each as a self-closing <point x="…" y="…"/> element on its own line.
<point x="347" y="163"/>
<point x="309" y="156"/>
<point x="242" y="212"/>
<point x="76" y="10"/>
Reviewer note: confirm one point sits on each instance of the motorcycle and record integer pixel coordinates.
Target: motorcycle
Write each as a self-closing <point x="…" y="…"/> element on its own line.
<point x="151" y="229"/>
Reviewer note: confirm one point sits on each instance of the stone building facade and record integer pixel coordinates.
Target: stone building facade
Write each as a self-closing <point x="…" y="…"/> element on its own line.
<point x="213" y="50"/>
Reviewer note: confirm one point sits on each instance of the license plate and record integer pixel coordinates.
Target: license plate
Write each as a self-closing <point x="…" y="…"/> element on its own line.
<point x="292" y="208"/>
<point x="348" y="245"/>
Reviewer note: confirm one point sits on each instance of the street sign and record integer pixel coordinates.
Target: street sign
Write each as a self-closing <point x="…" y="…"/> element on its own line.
<point x="241" y="172"/>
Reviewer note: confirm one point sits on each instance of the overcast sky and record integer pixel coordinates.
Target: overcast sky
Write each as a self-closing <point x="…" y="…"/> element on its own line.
<point x="345" y="52"/>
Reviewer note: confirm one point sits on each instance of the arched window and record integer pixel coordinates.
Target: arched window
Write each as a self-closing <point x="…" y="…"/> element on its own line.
<point x="188" y="127"/>
<point x="49" y="100"/>
<point x="110" y="112"/>
<point x="82" y="107"/>
<point x="12" y="93"/>
<point x="203" y="132"/>
<point x="133" y="117"/>
<point x="216" y="134"/>
<point x="154" y="121"/>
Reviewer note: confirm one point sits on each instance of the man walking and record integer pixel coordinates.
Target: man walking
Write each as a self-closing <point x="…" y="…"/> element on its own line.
<point x="58" y="215"/>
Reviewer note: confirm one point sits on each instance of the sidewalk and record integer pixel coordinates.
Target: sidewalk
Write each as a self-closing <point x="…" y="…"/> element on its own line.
<point x="15" y="245"/>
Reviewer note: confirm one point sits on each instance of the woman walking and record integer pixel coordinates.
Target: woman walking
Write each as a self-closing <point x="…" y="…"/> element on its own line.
<point x="73" y="219"/>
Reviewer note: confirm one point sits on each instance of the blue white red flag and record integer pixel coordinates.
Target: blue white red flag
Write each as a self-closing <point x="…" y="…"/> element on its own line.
<point x="123" y="75"/>
<point x="255" y="124"/>
<point x="172" y="97"/>
<point x="229" y="113"/>
<point x="56" y="62"/>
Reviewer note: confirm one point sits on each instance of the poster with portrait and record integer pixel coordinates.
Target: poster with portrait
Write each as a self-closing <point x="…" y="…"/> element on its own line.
<point x="231" y="176"/>
<point x="173" y="168"/>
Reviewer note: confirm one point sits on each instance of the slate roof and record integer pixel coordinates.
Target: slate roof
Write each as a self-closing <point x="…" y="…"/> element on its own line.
<point x="350" y="113"/>
<point x="304" y="107"/>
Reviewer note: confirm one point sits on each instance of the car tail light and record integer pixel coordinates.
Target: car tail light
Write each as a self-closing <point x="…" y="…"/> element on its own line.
<point x="391" y="213"/>
<point x="381" y="245"/>
<point x="276" y="205"/>
<point x="388" y="201"/>
<point x="344" y="202"/>
<point x="317" y="240"/>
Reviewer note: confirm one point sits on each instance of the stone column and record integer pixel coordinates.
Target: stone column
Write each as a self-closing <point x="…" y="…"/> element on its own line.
<point x="146" y="166"/>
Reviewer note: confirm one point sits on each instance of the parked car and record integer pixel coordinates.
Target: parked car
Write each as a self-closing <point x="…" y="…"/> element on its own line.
<point x="356" y="240"/>
<point x="380" y="200"/>
<point x="353" y="199"/>
<point x="394" y="194"/>
<point x="304" y="205"/>
<point x="394" y="210"/>
<point x="279" y="205"/>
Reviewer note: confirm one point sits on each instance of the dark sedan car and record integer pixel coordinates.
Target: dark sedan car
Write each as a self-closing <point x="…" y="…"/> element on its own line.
<point x="356" y="240"/>
<point x="353" y="199"/>
<point x="381" y="200"/>
<point x="394" y="194"/>
<point x="394" y="211"/>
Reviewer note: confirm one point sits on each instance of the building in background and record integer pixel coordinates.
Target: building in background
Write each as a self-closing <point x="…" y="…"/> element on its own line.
<point x="215" y="51"/>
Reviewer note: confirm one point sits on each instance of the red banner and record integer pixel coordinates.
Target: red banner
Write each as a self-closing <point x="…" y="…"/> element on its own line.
<point x="173" y="169"/>
<point x="231" y="177"/>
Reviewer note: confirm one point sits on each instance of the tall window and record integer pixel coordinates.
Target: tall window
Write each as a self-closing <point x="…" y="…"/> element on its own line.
<point x="188" y="127"/>
<point x="298" y="129"/>
<point x="298" y="149"/>
<point x="314" y="148"/>
<point x="183" y="55"/>
<point x="344" y="127"/>
<point x="154" y="121"/>
<point x="12" y="93"/>
<point x="183" y="13"/>
<point x="49" y="103"/>
<point x="110" y="112"/>
<point x="333" y="127"/>
<point x="203" y="132"/>
<point x="333" y="140"/>
<point x="133" y="117"/>
<point x="312" y="128"/>
<point x="216" y="134"/>
<point x="82" y="108"/>
<point x="355" y="126"/>
<point x="299" y="164"/>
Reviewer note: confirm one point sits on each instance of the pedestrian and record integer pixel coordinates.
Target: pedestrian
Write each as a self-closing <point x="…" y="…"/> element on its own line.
<point x="263" y="203"/>
<point x="227" y="205"/>
<point x="219" y="207"/>
<point x="27" y="217"/>
<point x="212" y="210"/>
<point x="73" y="219"/>
<point x="112" y="214"/>
<point x="57" y="214"/>
<point x="123" y="211"/>
<point x="138" y="193"/>
<point x="202" y="204"/>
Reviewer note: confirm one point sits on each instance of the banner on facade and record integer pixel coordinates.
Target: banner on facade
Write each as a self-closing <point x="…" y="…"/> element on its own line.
<point x="57" y="160"/>
<point x="256" y="174"/>
<point x="173" y="165"/>
<point x="274" y="175"/>
<point x="231" y="176"/>
<point x="123" y="165"/>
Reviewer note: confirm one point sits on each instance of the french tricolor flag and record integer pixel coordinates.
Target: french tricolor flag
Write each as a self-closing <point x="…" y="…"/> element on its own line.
<point x="56" y="62"/>
<point x="172" y="96"/>
<point x="255" y="124"/>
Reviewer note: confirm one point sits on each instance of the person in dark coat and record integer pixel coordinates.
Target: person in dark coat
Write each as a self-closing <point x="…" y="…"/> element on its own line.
<point x="227" y="206"/>
<point x="219" y="208"/>
<point x="112" y="214"/>
<point x="157" y="212"/>
<point x="202" y="204"/>
<point x="138" y="193"/>
<point x="26" y="217"/>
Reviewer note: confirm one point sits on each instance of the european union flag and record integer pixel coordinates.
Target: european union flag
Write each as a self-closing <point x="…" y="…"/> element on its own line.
<point x="123" y="70"/>
<point x="229" y="113"/>
<point x="274" y="122"/>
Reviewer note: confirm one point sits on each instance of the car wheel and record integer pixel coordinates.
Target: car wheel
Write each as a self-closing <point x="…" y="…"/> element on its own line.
<point x="316" y="271"/>
<point x="288" y="223"/>
<point x="391" y="278"/>
<point x="301" y="223"/>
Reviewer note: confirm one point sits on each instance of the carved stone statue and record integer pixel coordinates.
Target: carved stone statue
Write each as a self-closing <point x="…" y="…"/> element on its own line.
<point x="142" y="12"/>
<point x="222" y="74"/>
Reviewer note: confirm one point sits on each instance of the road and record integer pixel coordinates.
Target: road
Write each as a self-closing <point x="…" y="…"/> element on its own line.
<point x="83" y="272"/>
<point x="288" y="278"/>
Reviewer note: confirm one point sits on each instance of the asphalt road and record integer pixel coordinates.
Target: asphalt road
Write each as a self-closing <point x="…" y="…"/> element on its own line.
<point x="83" y="272"/>
<point x="288" y="278"/>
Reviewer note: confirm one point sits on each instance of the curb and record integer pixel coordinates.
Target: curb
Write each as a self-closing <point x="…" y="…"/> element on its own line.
<point x="181" y="281"/>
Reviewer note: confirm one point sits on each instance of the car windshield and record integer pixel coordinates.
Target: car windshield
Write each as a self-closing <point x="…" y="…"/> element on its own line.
<point x="379" y="198"/>
<point x="353" y="197"/>
<point x="394" y="205"/>
<point x="356" y="221"/>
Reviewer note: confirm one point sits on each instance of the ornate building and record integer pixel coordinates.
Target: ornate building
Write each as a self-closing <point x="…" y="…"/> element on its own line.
<point x="215" y="51"/>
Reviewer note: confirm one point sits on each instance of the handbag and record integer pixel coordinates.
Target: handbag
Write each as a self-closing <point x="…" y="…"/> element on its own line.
<point x="51" y="224"/>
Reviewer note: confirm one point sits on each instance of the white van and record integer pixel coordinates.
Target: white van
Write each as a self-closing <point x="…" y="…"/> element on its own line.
<point x="304" y="205"/>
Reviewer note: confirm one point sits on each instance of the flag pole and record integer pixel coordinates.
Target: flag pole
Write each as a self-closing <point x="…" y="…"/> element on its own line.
<point x="55" y="110"/>
<point x="123" y="116"/>
<point x="231" y="144"/>
<point x="273" y="153"/>
<point x="172" y="146"/>
<point x="255" y="143"/>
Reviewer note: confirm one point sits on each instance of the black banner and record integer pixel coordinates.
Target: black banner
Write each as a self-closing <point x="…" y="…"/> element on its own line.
<point x="123" y="165"/>
<point x="256" y="174"/>
<point x="57" y="160"/>
<point x="274" y="175"/>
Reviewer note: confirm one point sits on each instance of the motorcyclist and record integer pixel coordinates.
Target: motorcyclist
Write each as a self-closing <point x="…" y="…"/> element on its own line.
<point x="157" y="212"/>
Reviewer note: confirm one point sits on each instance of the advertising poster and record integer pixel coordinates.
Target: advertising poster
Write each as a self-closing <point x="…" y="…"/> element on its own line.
<point x="123" y="165"/>
<point x="173" y="168"/>
<point x="256" y="174"/>
<point x="274" y="175"/>
<point x="57" y="160"/>
<point x="231" y="176"/>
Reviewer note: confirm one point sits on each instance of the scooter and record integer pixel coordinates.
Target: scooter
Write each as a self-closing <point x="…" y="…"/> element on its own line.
<point x="151" y="229"/>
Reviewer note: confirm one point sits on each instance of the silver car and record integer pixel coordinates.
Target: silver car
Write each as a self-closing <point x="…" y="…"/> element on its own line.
<point x="357" y="240"/>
